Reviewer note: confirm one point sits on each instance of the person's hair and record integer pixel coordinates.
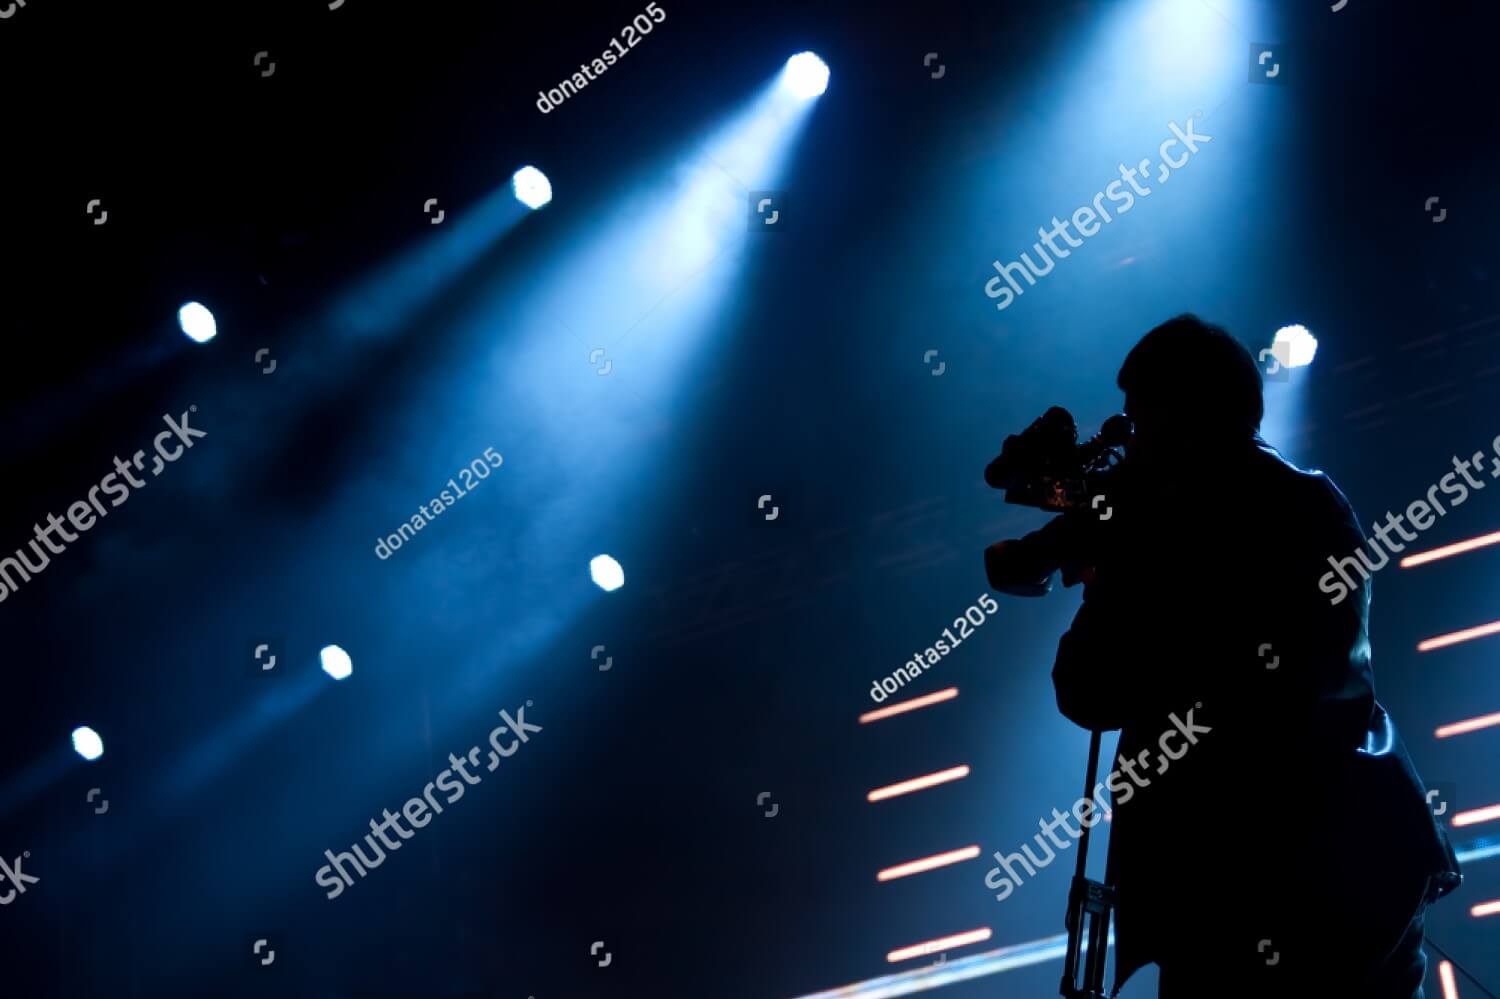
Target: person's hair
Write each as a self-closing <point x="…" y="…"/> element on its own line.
<point x="1196" y="372"/>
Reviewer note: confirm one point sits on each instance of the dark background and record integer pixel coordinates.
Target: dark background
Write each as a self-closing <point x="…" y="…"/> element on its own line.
<point x="743" y="650"/>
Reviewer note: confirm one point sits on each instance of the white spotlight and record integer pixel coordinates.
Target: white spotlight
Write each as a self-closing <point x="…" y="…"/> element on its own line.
<point x="86" y="743"/>
<point x="805" y="75"/>
<point x="532" y="187"/>
<point x="1294" y="346"/>
<point x="606" y="573"/>
<point x="197" y="322"/>
<point x="336" y="662"/>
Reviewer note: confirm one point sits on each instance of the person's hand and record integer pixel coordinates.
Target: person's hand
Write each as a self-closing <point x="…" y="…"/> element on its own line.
<point x="1018" y="567"/>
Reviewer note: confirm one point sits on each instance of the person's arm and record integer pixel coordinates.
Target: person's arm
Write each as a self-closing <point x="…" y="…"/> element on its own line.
<point x="1099" y="658"/>
<point x="1025" y="566"/>
<point x="1098" y="674"/>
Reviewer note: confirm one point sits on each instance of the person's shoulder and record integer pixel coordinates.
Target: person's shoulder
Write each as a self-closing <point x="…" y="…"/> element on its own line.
<point x="1305" y="487"/>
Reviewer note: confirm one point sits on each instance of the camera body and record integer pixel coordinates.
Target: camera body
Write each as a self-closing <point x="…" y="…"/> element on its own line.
<point x="1045" y="466"/>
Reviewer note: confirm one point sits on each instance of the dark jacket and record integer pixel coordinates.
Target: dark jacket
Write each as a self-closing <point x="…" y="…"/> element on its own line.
<point x="1298" y="818"/>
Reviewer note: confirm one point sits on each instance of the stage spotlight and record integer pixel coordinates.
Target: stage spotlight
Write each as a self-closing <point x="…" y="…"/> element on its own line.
<point x="86" y="743"/>
<point x="939" y="945"/>
<point x="197" y="322"/>
<point x="1455" y="637"/>
<point x="1445" y="976"/>
<point x="532" y="187"/>
<point x="928" y="863"/>
<point x="805" y="75"/>
<point x="1294" y="346"/>
<point x="1489" y="813"/>
<point x="606" y="573"/>
<point x="947" y="694"/>
<point x="1471" y="725"/>
<point x="919" y="783"/>
<point x="1457" y="548"/>
<point x="336" y="662"/>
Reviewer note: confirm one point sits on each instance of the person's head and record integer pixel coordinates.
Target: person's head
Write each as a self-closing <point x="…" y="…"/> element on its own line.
<point x="1190" y="385"/>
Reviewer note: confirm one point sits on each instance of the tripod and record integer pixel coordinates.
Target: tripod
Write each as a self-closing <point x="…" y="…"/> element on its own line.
<point x="1091" y="906"/>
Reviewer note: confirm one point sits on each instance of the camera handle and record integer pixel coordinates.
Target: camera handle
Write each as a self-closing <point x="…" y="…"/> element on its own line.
<point x="1091" y="906"/>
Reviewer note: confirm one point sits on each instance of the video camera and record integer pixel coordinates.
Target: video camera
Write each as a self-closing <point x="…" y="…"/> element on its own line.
<point x="1045" y="466"/>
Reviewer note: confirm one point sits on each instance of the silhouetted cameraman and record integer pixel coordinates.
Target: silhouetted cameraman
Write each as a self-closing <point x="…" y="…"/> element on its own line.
<point x="1291" y="849"/>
